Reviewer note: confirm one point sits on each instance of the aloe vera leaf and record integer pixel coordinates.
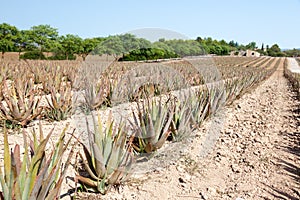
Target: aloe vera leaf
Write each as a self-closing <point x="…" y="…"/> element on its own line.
<point x="100" y="162"/>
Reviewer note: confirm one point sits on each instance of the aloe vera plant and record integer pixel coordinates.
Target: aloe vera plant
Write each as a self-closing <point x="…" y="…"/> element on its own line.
<point x="200" y="106"/>
<point x="20" y="103"/>
<point x="217" y="95"/>
<point x="107" y="159"/>
<point x="37" y="175"/>
<point x="60" y="105"/>
<point x="152" y="125"/>
<point x="181" y="123"/>
<point x="99" y="94"/>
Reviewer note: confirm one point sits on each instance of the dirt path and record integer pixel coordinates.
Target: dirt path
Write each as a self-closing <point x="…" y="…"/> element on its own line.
<point x="256" y="155"/>
<point x="294" y="67"/>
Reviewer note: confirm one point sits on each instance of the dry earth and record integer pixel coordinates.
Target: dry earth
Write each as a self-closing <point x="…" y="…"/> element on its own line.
<point x="256" y="155"/>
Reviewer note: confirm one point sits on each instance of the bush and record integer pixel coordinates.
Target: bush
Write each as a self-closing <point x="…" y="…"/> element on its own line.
<point x="148" y="54"/>
<point x="62" y="56"/>
<point x="33" y="55"/>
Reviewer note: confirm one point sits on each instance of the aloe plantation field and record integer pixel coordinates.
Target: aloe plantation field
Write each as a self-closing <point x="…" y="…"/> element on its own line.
<point x="207" y="127"/>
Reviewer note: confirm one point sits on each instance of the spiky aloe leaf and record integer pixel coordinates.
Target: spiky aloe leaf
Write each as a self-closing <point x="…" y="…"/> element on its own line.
<point x="37" y="176"/>
<point x="108" y="154"/>
<point x="152" y="123"/>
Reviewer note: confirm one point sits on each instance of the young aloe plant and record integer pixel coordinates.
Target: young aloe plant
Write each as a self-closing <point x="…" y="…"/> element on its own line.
<point x="108" y="159"/>
<point x="37" y="175"/>
<point x="217" y="95"/>
<point x="152" y="125"/>
<point x="199" y="103"/>
<point x="99" y="94"/>
<point x="20" y="103"/>
<point x="181" y="123"/>
<point x="60" y="105"/>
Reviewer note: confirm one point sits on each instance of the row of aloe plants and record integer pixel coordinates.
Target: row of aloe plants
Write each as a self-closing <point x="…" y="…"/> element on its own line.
<point x="294" y="78"/>
<point x="111" y="151"/>
<point x="41" y="90"/>
<point x="21" y="102"/>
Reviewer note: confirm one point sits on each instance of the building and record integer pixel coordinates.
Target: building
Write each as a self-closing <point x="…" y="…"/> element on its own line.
<point x="247" y="53"/>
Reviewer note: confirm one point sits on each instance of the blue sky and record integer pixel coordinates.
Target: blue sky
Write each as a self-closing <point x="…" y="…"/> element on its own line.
<point x="268" y="21"/>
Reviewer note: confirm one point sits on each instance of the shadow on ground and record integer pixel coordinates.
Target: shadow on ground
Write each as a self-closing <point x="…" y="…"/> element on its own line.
<point x="290" y="165"/>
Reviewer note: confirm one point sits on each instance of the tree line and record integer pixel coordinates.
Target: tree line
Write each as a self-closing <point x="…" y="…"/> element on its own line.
<point x="44" y="38"/>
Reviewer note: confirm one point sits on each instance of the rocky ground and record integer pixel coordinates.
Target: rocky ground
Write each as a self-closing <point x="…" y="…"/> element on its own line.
<point x="255" y="149"/>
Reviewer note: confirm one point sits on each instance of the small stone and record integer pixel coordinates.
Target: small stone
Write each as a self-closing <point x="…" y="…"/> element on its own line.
<point x="187" y="177"/>
<point x="239" y="149"/>
<point x="181" y="180"/>
<point x="235" y="168"/>
<point x="203" y="196"/>
<point x="212" y="191"/>
<point x="180" y="169"/>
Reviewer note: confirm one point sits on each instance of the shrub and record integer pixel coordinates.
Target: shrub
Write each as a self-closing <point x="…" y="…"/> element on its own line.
<point x="62" y="56"/>
<point x="33" y="55"/>
<point x="148" y="54"/>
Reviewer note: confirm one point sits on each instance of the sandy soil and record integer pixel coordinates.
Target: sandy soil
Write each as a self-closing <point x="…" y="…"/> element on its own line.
<point x="294" y="67"/>
<point x="255" y="156"/>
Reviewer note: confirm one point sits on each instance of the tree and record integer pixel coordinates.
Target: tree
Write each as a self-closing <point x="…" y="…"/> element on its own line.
<point x="292" y="52"/>
<point x="71" y="44"/>
<point x="8" y="35"/>
<point x="88" y="45"/>
<point x="275" y="51"/>
<point x="130" y="42"/>
<point x="44" y="36"/>
<point x="111" y="46"/>
<point x="223" y="42"/>
<point x="251" y="45"/>
<point x="22" y="42"/>
<point x="199" y="39"/>
<point x="262" y="47"/>
<point x="232" y="43"/>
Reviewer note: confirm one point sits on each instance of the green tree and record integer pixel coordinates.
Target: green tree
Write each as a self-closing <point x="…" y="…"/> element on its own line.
<point x="89" y="45"/>
<point x="199" y="39"/>
<point x="262" y="47"/>
<point x="23" y="43"/>
<point x="131" y="42"/>
<point x="292" y="52"/>
<point x="251" y="45"/>
<point x="275" y="51"/>
<point x="233" y="44"/>
<point x="44" y="36"/>
<point x="8" y="36"/>
<point x="71" y="44"/>
<point x="112" y="45"/>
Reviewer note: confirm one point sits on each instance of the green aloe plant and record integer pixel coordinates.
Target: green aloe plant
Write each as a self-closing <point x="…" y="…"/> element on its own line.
<point x="60" y="105"/>
<point x="20" y="103"/>
<point x="152" y="125"/>
<point x="99" y="94"/>
<point x="217" y="95"/>
<point x="199" y="103"/>
<point x="37" y="175"/>
<point x="181" y="123"/>
<point x="108" y="158"/>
